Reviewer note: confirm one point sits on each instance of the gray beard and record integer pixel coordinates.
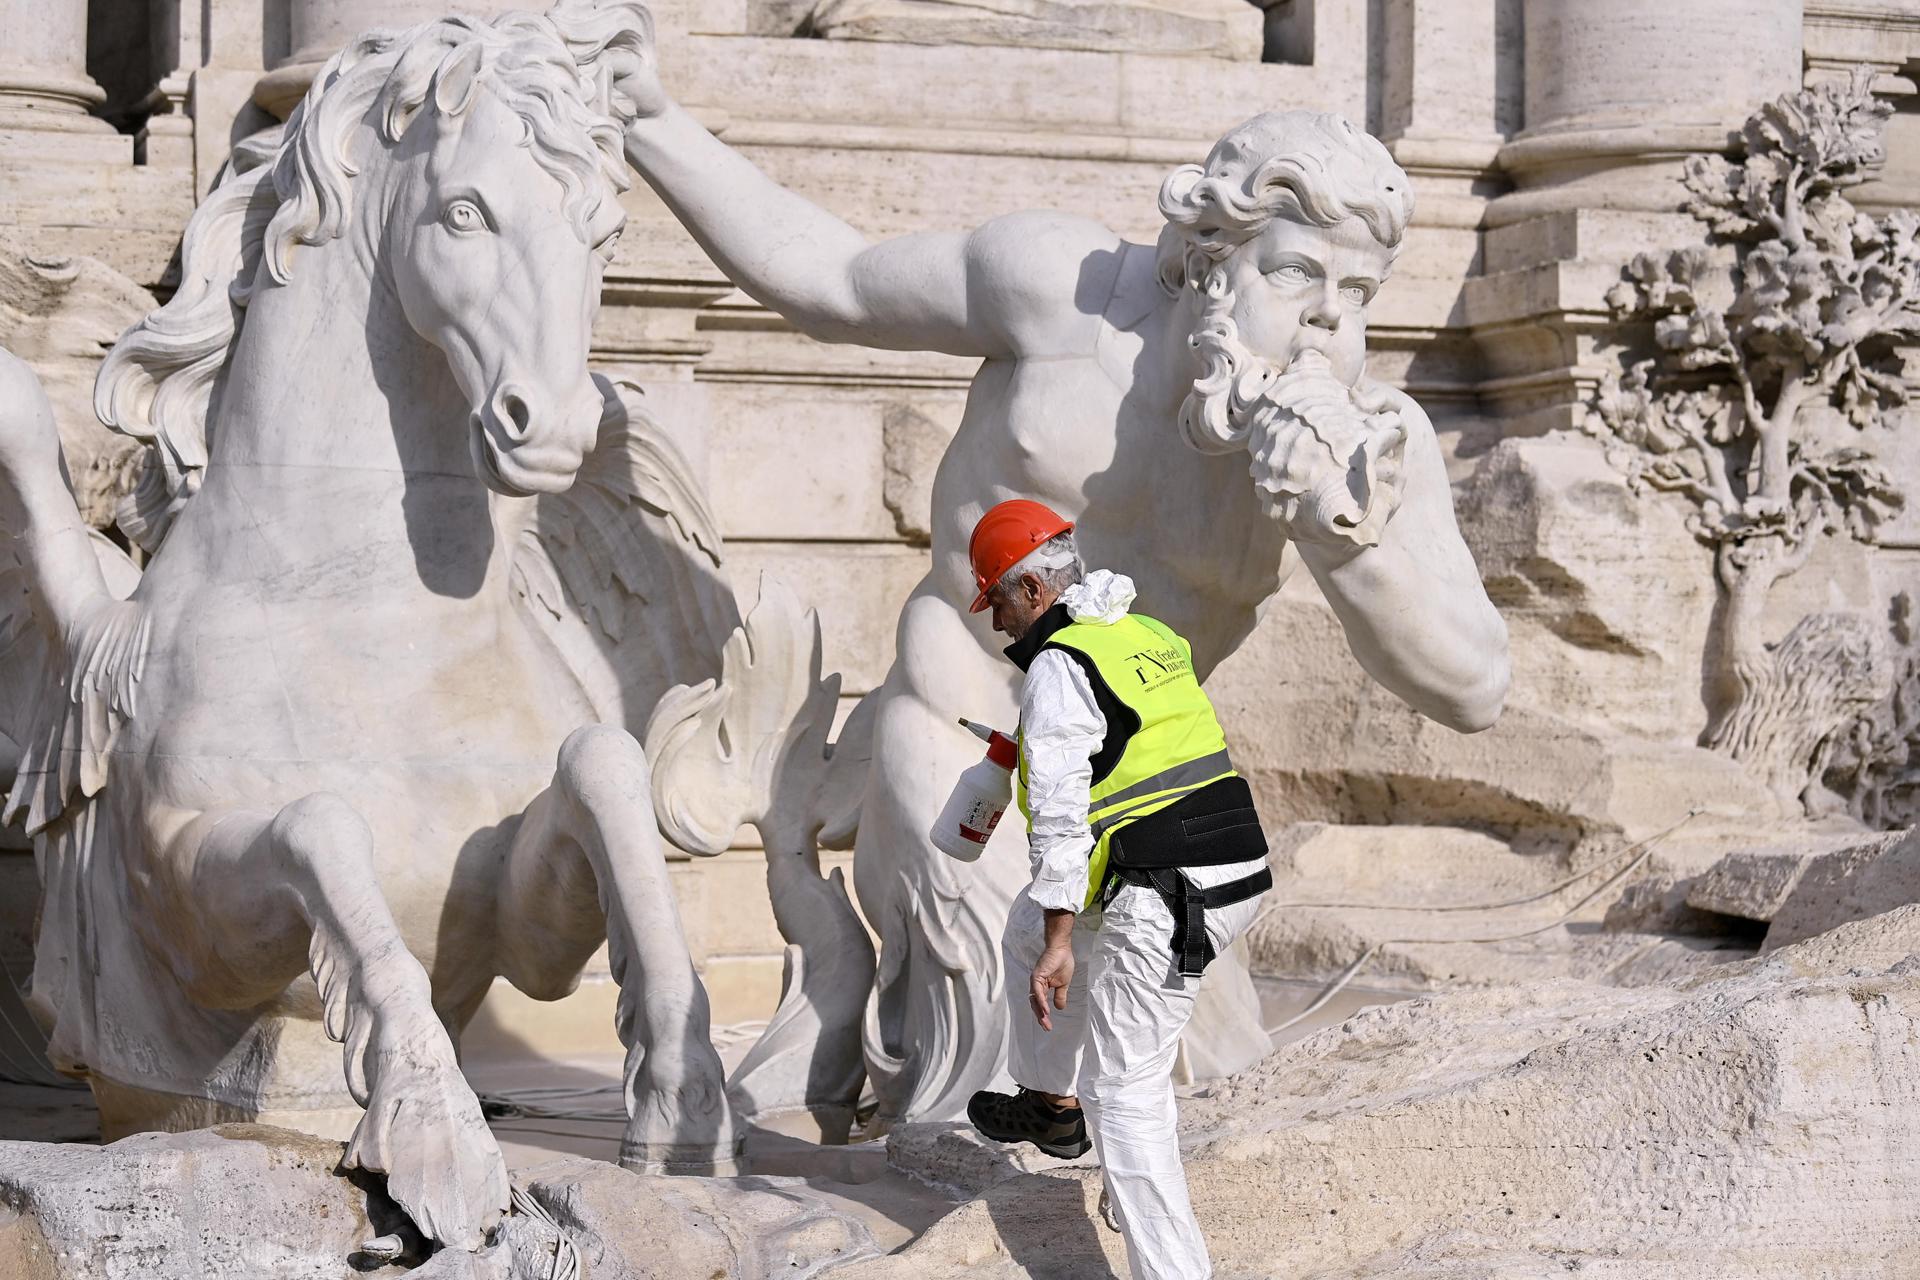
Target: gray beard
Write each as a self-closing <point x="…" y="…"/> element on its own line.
<point x="1217" y="413"/>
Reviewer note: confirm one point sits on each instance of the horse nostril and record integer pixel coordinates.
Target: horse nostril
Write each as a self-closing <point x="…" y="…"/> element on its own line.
<point x="513" y="412"/>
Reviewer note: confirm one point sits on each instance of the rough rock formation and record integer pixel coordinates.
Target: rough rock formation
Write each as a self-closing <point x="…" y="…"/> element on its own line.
<point x="1609" y="605"/>
<point x="1762" y="1121"/>
<point x="267" y="1204"/>
<point x="1431" y="907"/>
<point x="59" y="314"/>
<point x="1319" y="741"/>
<point x="1604" y="593"/>
<point x="912" y="443"/>
<point x="1750" y="885"/>
<point x="953" y="1156"/>
<point x="1757" y="883"/>
<point x="239" y="1200"/>
<point x="626" y="1227"/>
<point x="1868" y="877"/>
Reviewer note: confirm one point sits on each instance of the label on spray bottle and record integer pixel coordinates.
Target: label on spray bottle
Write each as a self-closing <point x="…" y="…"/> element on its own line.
<point x="980" y="817"/>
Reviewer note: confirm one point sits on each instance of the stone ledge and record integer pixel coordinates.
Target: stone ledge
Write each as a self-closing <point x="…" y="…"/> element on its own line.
<point x="1878" y="874"/>
<point x="255" y="1201"/>
<point x="1755" y="884"/>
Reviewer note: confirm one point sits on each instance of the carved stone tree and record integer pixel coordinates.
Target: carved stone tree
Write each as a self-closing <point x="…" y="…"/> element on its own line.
<point x="1775" y="376"/>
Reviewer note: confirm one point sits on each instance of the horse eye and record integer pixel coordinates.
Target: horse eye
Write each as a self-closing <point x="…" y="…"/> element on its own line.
<point x="464" y="215"/>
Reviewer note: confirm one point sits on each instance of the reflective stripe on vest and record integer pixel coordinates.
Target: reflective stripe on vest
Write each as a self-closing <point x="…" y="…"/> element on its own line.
<point x="1177" y="749"/>
<point x="1179" y="780"/>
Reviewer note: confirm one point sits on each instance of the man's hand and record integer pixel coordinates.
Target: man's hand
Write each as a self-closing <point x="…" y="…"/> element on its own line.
<point x="1051" y="977"/>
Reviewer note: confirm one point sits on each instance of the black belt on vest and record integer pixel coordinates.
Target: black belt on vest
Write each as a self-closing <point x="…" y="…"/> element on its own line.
<point x="1215" y="826"/>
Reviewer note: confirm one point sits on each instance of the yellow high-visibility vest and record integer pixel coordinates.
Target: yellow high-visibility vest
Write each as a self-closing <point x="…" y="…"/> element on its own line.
<point x="1174" y="746"/>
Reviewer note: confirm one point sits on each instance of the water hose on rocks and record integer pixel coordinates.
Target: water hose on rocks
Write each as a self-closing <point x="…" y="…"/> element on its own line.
<point x="1640" y="851"/>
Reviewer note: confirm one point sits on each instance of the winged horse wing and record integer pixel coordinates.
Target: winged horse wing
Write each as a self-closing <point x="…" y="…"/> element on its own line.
<point x="71" y="648"/>
<point x="622" y="571"/>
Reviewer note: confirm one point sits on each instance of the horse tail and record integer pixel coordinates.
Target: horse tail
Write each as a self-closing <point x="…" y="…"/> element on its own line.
<point x="936" y="1021"/>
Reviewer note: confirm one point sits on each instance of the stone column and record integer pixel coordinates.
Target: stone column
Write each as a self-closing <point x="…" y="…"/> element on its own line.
<point x="207" y="59"/>
<point x="1445" y="88"/>
<point x="1446" y="70"/>
<point x="44" y="84"/>
<point x="68" y="181"/>
<point x="1618" y="94"/>
<point x="1448" y="98"/>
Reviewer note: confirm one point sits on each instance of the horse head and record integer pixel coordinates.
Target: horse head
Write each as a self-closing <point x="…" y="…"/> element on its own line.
<point x="501" y="212"/>
<point x="475" y="167"/>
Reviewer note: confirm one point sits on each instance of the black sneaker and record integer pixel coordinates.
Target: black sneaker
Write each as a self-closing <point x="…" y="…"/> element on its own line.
<point x="1027" y="1117"/>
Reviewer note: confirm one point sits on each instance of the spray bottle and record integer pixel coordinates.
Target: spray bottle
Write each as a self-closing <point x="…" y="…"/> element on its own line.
<point x="979" y="798"/>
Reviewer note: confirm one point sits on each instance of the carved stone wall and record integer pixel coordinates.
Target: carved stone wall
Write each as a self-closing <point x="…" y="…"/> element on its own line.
<point x="1545" y="137"/>
<point x="1203" y="28"/>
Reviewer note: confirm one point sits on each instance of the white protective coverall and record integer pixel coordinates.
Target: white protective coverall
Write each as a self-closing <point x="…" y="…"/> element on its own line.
<point x="1114" y="1043"/>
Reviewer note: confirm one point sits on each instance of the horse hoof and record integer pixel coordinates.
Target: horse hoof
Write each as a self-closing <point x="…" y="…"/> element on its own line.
<point x="424" y="1130"/>
<point x="680" y="1161"/>
<point x="679" y="1119"/>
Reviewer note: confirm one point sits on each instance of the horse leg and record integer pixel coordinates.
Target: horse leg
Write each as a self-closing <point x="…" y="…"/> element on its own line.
<point x="588" y="854"/>
<point x="272" y="893"/>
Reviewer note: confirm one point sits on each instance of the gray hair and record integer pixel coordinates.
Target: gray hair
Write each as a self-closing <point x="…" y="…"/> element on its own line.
<point x="1055" y="564"/>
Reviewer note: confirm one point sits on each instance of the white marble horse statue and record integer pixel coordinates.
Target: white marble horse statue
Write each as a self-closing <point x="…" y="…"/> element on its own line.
<point x="407" y="554"/>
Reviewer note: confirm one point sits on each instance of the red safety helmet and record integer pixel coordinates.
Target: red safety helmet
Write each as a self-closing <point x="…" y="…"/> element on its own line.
<point x="1005" y="536"/>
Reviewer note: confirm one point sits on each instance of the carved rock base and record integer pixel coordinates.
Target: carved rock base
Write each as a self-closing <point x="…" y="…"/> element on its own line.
<point x="259" y="1201"/>
<point x="1759" y="1122"/>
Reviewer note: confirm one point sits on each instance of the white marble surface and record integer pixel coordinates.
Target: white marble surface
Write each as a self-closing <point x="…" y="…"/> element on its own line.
<point x="1548" y="137"/>
<point x="366" y="732"/>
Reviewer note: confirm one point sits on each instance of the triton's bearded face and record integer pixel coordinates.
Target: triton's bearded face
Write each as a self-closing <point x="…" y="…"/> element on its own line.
<point x="1297" y="288"/>
<point x="1281" y="341"/>
<point x="1292" y="289"/>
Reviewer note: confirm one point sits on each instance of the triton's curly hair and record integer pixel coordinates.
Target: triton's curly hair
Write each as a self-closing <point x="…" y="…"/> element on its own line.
<point x="1310" y="165"/>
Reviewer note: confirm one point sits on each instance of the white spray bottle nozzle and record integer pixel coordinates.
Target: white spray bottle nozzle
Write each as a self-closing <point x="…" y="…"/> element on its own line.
<point x="981" y="731"/>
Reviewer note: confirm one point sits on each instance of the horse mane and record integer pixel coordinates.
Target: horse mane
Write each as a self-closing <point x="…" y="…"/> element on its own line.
<point x="158" y="382"/>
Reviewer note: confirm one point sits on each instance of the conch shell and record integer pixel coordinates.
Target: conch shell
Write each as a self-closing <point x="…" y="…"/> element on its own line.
<point x="1323" y="464"/>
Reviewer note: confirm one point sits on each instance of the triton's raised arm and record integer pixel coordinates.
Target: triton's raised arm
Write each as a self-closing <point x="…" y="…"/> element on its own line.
<point x="1005" y="289"/>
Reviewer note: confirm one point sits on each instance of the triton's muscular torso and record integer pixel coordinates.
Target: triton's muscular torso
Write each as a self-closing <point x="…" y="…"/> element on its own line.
<point x="1092" y="433"/>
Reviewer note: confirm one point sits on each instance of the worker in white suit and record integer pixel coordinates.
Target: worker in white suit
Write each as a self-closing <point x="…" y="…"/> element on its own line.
<point x="1147" y="861"/>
